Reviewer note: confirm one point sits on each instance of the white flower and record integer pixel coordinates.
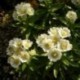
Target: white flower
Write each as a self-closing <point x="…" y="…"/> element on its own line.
<point x="71" y="16"/>
<point x="22" y="10"/>
<point x="14" y="61"/>
<point x="54" y="55"/>
<point x="24" y="56"/>
<point x="32" y="52"/>
<point x="41" y="38"/>
<point x="53" y="31"/>
<point x="16" y="42"/>
<point x="47" y="44"/>
<point x="15" y="46"/>
<point x="64" y="32"/>
<point x="30" y="11"/>
<point x="64" y="45"/>
<point x="17" y="52"/>
<point x="76" y="2"/>
<point x="26" y="44"/>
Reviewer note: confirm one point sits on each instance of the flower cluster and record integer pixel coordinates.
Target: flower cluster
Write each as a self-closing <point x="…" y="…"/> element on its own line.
<point x="55" y="42"/>
<point x="23" y="10"/>
<point x="18" y="51"/>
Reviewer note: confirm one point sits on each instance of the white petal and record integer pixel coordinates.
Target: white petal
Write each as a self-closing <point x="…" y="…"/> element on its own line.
<point x="26" y="44"/>
<point x="64" y="45"/>
<point x="64" y="32"/>
<point x="24" y="56"/>
<point x="54" y="55"/>
<point x="14" y="61"/>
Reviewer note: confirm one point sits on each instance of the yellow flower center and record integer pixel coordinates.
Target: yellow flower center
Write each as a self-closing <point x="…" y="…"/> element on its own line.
<point x="54" y="54"/>
<point x="24" y="56"/>
<point x="16" y="61"/>
<point x="22" y="11"/>
<point x="47" y="45"/>
<point x="63" y="45"/>
<point x="55" y="40"/>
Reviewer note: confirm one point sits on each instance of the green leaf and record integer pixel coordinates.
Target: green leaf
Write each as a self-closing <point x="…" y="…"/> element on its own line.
<point x="62" y="19"/>
<point x="66" y="62"/>
<point x="55" y="72"/>
<point x="48" y="2"/>
<point x="49" y="65"/>
<point x="24" y="67"/>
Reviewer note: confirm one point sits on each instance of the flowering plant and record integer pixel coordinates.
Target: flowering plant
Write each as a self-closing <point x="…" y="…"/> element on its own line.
<point x="49" y="48"/>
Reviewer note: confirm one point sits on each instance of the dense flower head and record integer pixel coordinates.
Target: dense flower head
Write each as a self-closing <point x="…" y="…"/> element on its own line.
<point x="71" y="16"/>
<point x="55" y="42"/>
<point x="22" y="10"/>
<point x="18" y="52"/>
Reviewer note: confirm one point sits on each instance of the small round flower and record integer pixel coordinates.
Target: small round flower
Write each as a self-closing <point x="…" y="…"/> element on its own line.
<point x="16" y="42"/>
<point x="14" y="61"/>
<point x="53" y="31"/>
<point x="26" y="44"/>
<point x="64" y="32"/>
<point x="24" y="56"/>
<point x="32" y="52"/>
<point x="22" y="10"/>
<point x="47" y="44"/>
<point x="76" y="2"/>
<point x="54" y="55"/>
<point x="40" y="39"/>
<point x="64" y="45"/>
<point x="71" y="16"/>
<point x="15" y="46"/>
